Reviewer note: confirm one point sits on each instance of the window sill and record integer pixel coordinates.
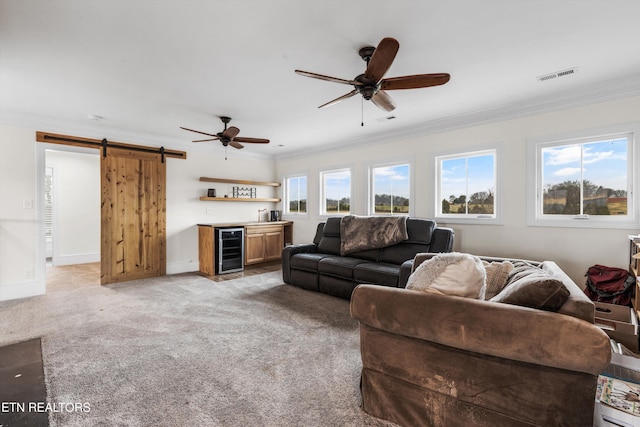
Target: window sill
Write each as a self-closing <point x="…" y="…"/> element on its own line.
<point x="471" y="221"/>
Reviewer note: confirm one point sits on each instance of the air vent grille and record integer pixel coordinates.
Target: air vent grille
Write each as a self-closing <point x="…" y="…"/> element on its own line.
<point x="557" y="74"/>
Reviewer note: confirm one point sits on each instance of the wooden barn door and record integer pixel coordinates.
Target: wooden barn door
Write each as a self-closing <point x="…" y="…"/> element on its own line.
<point x="133" y="236"/>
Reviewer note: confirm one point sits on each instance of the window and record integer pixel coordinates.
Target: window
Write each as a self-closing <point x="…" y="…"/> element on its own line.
<point x="584" y="180"/>
<point x="335" y="192"/>
<point x="295" y="195"/>
<point x="466" y="185"/>
<point x="48" y="203"/>
<point x="390" y="190"/>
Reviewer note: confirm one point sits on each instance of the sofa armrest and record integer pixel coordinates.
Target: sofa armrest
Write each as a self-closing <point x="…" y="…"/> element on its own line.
<point x="290" y="251"/>
<point x="495" y="329"/>
<point x="442" y="240"/>
<point x="406" y="268"/>
<point x="420" y="258"/>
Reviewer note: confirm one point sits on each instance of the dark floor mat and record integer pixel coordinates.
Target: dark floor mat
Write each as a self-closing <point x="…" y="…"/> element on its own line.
<point x="23" y="394"/>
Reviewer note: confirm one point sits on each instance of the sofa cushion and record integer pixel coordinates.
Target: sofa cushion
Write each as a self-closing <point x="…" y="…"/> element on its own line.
<point x="397" y="254"/>
<point x="319" y="233"/>
<point x="330" y="241"/>
<point x="306" y="261"/>
<point x="531" y="286"/>
<point x="578" y="304"/>
<point x="497" y="275"/>
<point x="420" y="232"/>
<point x="380" y="273"/>
<point x="338" y="266"/>
<point x="454" y="273"/>
<point x="369" y="255"/>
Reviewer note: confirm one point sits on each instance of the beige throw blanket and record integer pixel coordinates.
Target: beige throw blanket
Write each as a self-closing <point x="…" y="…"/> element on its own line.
<point x="358" y="233"/>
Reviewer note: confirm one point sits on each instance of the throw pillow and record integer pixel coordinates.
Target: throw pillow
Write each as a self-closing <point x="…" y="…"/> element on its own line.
<point x="497" y="275"/>
<point x="450" y="273"/>
<point x="533" y="287"/>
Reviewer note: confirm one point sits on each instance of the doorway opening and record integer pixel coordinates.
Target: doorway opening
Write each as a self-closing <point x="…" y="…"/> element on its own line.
<point x="71" y="216"/>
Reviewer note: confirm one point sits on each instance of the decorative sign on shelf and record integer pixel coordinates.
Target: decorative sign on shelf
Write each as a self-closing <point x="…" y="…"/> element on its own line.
<point x="244" y="192"/>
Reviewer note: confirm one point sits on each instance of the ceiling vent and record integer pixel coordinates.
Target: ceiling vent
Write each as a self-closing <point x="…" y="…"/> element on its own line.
<point x="557" y="74"/>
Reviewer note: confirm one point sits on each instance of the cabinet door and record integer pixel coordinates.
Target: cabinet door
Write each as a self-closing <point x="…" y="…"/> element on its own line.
<point x="254" y="248"/>
<point x="273" y="244"/>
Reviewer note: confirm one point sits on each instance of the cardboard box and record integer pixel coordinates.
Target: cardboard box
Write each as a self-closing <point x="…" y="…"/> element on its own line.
<point x="619" y="322"/>
<point x="606" y="416"/>
<point x="624" y="367"/>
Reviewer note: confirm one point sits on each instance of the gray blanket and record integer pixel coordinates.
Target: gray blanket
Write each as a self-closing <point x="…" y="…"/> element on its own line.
<point x="358" y="233"/>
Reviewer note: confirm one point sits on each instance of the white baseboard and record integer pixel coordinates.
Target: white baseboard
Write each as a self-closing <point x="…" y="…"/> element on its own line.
<point x="182" y="267"/>
<point x="76" y="259"/>
<point x="9" y="291"/>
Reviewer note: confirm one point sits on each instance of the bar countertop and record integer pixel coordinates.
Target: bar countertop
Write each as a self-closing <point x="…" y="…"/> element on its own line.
<point x="244" y="223"/>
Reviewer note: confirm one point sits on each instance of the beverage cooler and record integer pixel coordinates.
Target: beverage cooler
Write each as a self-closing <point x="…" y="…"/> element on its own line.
<point x="229" y="250"/>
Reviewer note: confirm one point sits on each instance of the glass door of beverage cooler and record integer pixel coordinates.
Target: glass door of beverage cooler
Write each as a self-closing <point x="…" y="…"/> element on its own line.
<point x="229" y="250"/>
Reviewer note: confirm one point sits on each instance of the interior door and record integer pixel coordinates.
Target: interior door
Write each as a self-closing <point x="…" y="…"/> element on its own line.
<point x="133" y="229"/>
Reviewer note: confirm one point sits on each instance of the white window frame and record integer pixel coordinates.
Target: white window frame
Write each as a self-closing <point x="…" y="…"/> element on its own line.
<point x="323" y="207"/>
<point x="535" y="217"/>
<point x="371" y="195"/>
<point x="285" y="198"/>
<point x="496" y="217"/>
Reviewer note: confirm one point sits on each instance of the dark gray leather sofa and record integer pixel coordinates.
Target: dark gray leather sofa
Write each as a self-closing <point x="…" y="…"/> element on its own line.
<point x="318" y="266"/>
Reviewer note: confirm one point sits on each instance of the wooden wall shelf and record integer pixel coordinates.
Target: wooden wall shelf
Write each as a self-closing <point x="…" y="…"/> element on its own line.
<point x="239" y="181"/>
<point x="239" y="199"/>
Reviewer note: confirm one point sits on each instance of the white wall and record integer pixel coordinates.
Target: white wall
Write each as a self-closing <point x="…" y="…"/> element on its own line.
<point x="76" y="201"/>
<point x="574" y="249"/>
<point x="22" y="257"/>
<point x="19" y="272"/>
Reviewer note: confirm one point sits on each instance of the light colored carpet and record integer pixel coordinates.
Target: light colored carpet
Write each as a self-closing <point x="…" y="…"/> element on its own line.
<point x="185" y="351"/>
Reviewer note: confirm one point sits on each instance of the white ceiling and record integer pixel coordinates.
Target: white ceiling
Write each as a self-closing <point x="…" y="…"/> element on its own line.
<point x="150" y="66"/>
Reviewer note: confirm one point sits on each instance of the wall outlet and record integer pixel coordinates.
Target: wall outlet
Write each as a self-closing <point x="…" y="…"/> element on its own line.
<point x="29" y="273"/>
<point x="27" y="204"/>
<point x="209" y="211"/>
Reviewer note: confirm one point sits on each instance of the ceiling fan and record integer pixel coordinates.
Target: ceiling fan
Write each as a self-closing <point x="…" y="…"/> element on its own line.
<point x="228" y="136"/>
<point x="371" y="84"/>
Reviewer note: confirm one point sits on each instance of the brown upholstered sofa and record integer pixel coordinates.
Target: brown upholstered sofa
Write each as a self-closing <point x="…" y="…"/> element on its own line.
<point x="438" y="360"/>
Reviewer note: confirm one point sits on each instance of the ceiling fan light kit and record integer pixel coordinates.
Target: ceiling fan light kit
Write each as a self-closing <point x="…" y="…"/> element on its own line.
<point x="371" y="84"/>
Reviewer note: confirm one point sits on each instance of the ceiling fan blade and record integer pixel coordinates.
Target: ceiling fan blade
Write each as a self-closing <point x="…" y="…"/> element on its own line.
<point x="205" y="140"/>
<point x="415" y="81"/>
<point x="197" y="131"/>
<point x="328" y="78"/>
<point x="251" y="140"/>
<point x="236" y="144"/>
<point x="382" y="59"/>
<point x="335" y="101"/>
<point x="383" y="101"/>
<point x="231" y="132"/>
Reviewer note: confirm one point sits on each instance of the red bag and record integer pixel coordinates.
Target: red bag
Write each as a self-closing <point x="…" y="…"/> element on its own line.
<point x="610" y="285"/>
